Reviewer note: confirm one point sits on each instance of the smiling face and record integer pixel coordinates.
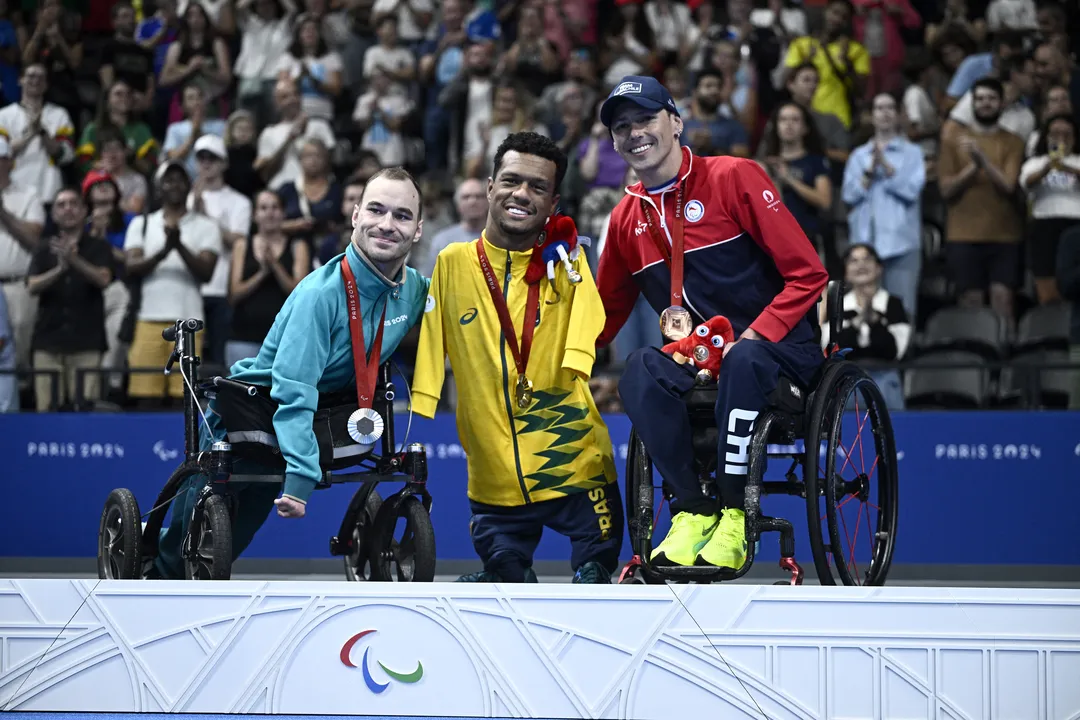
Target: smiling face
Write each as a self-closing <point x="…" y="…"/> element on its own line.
<point x="386" y="223"/>
<point x="268" y="212"/>
<point x="862" y="269"/>
<point x="522" y="194"/>
<point x="644" y="138"/>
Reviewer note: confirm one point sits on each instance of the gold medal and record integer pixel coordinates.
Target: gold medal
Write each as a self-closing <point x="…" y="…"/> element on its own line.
<point x="676" y="323"/>
<point x="523" y="392"/>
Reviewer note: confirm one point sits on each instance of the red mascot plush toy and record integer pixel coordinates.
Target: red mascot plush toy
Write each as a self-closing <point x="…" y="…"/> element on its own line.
<point x="557" y="244"/>
<point x="704" y="348"/>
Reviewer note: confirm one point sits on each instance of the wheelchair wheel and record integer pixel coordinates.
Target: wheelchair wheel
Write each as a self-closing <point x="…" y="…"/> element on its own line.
<point x="639" y="496"/>
<point x="209" y="540"/>
<point x="120" y="537"/>
<point x="357" y="567"/>
<point x="853" y="489"/>
<point x="413" y="553"/>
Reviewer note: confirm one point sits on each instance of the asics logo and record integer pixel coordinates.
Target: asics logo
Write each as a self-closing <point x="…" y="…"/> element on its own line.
<point x="469" y="316"/>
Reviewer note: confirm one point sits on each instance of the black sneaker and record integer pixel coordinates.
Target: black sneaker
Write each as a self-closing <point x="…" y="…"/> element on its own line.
<point x="485" y="576"/>
<point x="482" y="576"/>
<point x="592" y="573"/>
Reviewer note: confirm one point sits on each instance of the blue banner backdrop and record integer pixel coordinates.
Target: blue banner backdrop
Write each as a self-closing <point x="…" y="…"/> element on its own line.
<point x="994" y="488"/>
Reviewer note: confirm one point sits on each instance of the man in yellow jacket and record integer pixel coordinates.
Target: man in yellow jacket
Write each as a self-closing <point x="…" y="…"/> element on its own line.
<point x="521" y="352"/>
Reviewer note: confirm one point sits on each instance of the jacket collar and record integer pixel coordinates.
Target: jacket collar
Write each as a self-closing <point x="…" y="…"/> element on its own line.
<point x="638" y="188"/>
<point x="369" y="280"/>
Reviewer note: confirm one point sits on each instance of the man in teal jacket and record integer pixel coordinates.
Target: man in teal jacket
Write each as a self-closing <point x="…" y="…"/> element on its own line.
<point x="309" y="351"/>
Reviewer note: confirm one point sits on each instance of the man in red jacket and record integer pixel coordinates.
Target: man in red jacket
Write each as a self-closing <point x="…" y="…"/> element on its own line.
<point x="700" y="237"/>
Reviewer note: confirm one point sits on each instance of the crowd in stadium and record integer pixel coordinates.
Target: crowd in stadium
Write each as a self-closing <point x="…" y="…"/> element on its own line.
<point x="246" y="129"/>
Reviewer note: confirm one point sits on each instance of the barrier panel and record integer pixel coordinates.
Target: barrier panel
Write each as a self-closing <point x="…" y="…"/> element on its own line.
<point x="539" y="651"/>
<point x="975" y="488"/>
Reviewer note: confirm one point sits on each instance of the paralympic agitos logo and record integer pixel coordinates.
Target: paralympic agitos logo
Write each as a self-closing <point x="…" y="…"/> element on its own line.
<point x="373" y="685"/>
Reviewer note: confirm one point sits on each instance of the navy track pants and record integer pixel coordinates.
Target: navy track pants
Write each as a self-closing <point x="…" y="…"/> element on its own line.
<point x="652" y="390"/>
<point x="505" y="538"/>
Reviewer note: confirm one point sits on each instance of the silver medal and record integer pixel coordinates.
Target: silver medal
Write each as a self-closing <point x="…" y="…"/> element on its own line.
<point x="365" y="426"/>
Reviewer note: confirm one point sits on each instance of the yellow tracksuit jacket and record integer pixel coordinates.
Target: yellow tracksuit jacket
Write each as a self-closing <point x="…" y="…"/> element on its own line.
<point x="557" y="446"/>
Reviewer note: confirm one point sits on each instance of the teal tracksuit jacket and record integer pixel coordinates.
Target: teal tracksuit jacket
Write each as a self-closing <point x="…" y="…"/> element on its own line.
<point x="308" y="351"/>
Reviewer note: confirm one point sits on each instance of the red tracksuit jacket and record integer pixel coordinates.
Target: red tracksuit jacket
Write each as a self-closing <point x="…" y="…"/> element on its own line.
<point x="745" y="255"/>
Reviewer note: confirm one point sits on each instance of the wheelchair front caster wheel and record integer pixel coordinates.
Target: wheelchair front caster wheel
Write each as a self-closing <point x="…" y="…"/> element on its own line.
<point x="120" y="537"/>
<point x="357" y="567"/>
<point x="208" y="547"/>
<point x="413" y="553"/>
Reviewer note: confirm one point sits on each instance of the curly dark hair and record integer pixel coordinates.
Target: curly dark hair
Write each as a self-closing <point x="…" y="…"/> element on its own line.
<point x="530" y="143"/>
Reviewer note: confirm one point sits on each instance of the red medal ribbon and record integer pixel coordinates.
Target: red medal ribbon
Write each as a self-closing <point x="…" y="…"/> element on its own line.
<point x="366" y="372"/>
<point x="532" y="307"/>
<point x="672" y="255"/>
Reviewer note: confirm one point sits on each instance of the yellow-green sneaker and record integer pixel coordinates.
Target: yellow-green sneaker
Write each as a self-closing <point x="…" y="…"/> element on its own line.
<point x="687" y="536"/>
<point x="727" y="546"/>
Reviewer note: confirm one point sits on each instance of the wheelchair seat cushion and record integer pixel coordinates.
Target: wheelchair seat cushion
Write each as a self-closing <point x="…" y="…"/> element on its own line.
<point x="249" y="426"/>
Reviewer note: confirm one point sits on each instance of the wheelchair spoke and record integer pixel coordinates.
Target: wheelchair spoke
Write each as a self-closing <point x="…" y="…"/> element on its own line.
<point x="869" y="532"/>
<point x="851" y="548"/>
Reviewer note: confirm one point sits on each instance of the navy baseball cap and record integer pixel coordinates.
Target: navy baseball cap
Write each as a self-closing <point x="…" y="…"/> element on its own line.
<point x="647" y="92"/>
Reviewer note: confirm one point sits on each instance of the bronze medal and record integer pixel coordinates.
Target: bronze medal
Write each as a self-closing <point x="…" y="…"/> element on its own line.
<point x="676" y="323"/>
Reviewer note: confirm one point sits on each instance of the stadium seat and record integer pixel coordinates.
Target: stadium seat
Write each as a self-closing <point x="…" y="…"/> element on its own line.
<point x="1044" y="327"/>
<point x="1025" y="384"/>
<point x="972" y="330"/>
<point x="947" y="388"/>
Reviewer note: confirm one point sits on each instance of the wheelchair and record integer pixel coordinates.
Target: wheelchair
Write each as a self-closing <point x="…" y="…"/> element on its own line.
<point x="366" y="538"/>
<point x="836" y="479"/>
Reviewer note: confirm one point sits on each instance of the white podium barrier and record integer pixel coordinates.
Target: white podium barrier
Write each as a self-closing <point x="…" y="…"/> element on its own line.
<point x="539" y="651"/>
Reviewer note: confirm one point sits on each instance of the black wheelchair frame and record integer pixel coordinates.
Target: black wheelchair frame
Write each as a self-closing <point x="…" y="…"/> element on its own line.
<point x="819" y="421"/>
<point x="366" y="537"/>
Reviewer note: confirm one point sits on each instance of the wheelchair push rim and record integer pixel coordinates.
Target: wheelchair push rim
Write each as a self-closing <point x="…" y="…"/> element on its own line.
<point x="120" y="537"/>
<point x="857" y="484"/>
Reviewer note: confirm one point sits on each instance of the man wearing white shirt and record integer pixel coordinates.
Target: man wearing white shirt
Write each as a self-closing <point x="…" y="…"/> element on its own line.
<point x="173" y="252"/>
<point x="231" y="210"/>
<point x="41" y="135"/>
<point x="413" y="16"/>
<point x="22" y="217"/>
<point x="278" y="154"/>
